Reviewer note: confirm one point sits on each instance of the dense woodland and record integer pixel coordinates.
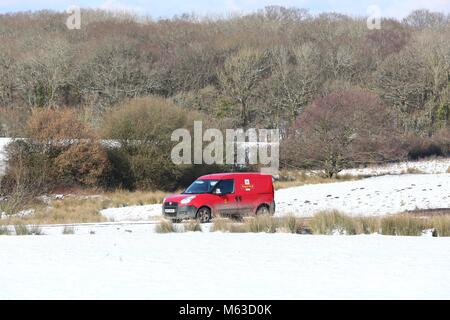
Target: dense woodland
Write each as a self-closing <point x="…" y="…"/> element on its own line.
<point x="340" y="93"/>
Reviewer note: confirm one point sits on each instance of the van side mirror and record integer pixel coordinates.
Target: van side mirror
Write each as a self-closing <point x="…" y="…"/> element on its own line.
<point x="218" y="191"/>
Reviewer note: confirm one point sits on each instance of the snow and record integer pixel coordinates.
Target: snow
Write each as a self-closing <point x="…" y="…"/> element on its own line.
<point x="132" y="213"/>
<point x="373" y="196"/>
<point x="3" y="143"/>
<point x="424" y="166"/>
<point x="223" y="266"/>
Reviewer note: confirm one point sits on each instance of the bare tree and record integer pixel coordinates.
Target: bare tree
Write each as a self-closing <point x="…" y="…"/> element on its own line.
<point x="241" y="74"/>
<point x="342" y="129"/>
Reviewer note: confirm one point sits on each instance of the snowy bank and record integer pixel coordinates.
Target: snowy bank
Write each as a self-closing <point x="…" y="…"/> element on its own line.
<point x="3" y="143"/>
<point x="424" y="166"/>
<point x="372" y="196"/>
<point x="234" y="266"/>
<point x="132" y="213"/>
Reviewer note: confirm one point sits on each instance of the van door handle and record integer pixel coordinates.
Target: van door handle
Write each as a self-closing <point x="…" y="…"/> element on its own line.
<point x="237" y="199"/>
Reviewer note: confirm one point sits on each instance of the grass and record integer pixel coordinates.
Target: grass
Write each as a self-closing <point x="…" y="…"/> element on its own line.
<point x="84" y="207"/>
<point x="4" y="231"/>
<point x="23" y="230"/>
<point x="260" y="223"/>
<point x="295" y="178"/>
<point x="290" y="224"/>
<point x="68" y="230"/>
<point x="403" y="225"/>
<point x="367" y="225"/>
<point x="165" y="226"/>
<point x="192" y="226"/>
<point x="221" y="224"/>
<point x="329" y="222"/>
<point x="414" y="171"/>
<point x="441" y="225"/>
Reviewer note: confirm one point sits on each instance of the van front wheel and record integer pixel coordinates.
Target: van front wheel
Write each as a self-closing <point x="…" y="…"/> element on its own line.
<point x="204" y="215"/>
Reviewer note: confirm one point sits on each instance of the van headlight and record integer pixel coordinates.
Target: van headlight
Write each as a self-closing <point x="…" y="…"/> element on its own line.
<point x="187" y="200"/>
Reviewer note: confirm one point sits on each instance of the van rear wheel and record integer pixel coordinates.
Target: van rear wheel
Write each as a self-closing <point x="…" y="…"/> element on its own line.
<point x="204" y="215"/>
<point x="262" y="209"/>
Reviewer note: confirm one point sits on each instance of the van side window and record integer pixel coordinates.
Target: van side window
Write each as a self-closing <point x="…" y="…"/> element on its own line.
<point x="226" y="186"/>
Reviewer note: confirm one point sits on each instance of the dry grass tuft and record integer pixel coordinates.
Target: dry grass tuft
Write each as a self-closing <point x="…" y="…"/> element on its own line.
<point x="441" y="225"/>
<point x="414" y="171"/>
<point x="290" y="224"/>
<point x="23" y="230"/>
<point x="221" y="224"/>
<point x="165" y="226"/>
<point x="4" y="231"/>
<point x="192" y="225"/>
<point x="260" y="223"/>
<point x="331" y="221"/>
<point x="403" y="225"/>
<point x="68" y="230"/>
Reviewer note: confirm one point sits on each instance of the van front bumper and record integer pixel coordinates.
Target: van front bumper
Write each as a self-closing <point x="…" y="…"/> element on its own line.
<point x="180" y="212"/>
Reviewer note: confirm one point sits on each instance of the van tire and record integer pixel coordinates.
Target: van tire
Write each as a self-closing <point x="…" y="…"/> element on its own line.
<point x="262" y="209"/>
<point x="203" y="215"/>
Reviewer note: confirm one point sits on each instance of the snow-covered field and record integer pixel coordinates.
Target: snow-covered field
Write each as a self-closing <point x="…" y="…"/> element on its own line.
<point x="223" y="266"/>
<point x="373" y="196"/>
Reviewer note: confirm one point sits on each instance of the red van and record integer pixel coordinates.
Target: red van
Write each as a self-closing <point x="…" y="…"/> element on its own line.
<point x="222" y="194"/>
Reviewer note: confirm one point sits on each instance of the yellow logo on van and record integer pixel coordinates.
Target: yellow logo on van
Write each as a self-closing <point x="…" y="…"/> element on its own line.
<point x="247" y="186"/>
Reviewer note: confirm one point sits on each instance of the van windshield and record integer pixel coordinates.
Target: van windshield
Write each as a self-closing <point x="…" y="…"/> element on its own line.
<point x="201" y="186"/>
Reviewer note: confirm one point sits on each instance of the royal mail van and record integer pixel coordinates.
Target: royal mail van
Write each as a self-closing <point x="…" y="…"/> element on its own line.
<point x="224" y="194"/>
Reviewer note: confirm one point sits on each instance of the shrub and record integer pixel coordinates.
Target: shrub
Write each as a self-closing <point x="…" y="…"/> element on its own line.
<point x="23" y="230"/>
<point x="221" y="224"/>
<point x="367" y="225"/>
<point x="60" y="150"/>
<point x="260" y="223"/>
<point x="193" y="226"/>
<point x="421" y="147"/>
<point x="343" y="128"/>
<point x="402" y="225"/>
<point x="165" y="226"/>
<point x="414" y="171"/>
<point x="143" y="127"/>
<point x="68" y="230"/>
<point x="85" y="163"/>
<point x="441" y="225"/>
<point x="4" y="231"/>
<point x="50" y="126"/>
<point x="28" y="169"/>
<point x="15" y="202"/>
<point x="328" y="222"/>
<point x="290" y="224"/>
